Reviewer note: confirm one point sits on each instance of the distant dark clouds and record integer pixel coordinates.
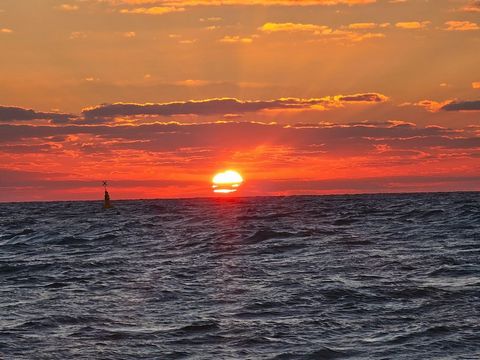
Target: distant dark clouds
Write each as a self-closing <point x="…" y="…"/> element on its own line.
<point x="12" y="113"/>
<point x="26" y="149"/>
<point x="370" y="184"/>
<point x="92" y="132"/>
<point x="462" y="106"/>
<point x="348" y="140"/>
<point x="368" y="97"/>
<point x="46" y="180"/>
<point x="225" y="106"/>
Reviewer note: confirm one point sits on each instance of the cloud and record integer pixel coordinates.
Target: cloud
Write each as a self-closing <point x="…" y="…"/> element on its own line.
<point x="402" y="142"/>
<point x="211" y="27"/>
<point x="75" y="35"/>
<point x="321" y="32"/>
<point x="355" y="37"/>
<point x="461" y="26"/>
<point x="226" y="106"/>
<point x="6" y="31"/>
<point x="412" y="25"/>
<point x="91" y="79"/>
<point x="236" y="39"/>
<point x="271" y="2"/>
<point x="462" y="106"/>
<point x="211" y="19"/>
<point x="368" y="184"/>
<point x="367" y="26"/>
<point x="187" y="41"/>
<point x="245" y="2"/>
<point x="472" y="6"/>
<point x="12" y="113"/>
<point x="294" y="27"/>
<point x="171" y="136"/>
<point x="156" y="10"/>
<point x="352" y="153"/>
<point x="161" y="7"/>
<point x="26" y="149"/>
<point x="430" y="105"/>
<point x="11" y="177"/>
<point x="195" y="83"/>
<point x="368" y="97"/>
<point x="67" y="7"/>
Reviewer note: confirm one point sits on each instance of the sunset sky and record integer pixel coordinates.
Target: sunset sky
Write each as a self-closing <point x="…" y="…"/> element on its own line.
<point x="299" y="96"/>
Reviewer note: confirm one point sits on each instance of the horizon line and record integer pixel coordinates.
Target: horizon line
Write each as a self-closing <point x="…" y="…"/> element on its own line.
<point x="230" y="197"/>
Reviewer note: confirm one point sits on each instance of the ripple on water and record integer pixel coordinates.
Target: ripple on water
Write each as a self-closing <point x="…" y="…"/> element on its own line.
<point x="360" y="277"/>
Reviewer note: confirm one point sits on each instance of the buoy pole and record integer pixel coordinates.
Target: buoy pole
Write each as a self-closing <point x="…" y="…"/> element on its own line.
<point x="106" y="202"/>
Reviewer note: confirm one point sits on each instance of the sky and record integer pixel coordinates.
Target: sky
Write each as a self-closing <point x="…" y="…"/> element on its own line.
<point x="299" y="96"/>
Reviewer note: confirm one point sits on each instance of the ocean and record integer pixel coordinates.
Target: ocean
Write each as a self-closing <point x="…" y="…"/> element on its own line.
<point x="301" y="277"/>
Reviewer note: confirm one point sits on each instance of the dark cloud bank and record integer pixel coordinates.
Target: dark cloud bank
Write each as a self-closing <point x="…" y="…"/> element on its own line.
<point x="13" y="113"/>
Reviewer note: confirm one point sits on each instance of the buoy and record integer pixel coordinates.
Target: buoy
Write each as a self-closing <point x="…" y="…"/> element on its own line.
<point x="106" y="202"/>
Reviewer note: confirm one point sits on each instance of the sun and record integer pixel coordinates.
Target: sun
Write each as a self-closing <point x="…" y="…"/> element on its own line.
<point x="227" y="182"/>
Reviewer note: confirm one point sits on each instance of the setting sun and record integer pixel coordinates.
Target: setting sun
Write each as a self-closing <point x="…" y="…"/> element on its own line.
<point x="226" y="182"/>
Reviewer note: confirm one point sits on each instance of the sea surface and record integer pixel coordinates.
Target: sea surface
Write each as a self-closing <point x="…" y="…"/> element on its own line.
<point x="330" y="277"/>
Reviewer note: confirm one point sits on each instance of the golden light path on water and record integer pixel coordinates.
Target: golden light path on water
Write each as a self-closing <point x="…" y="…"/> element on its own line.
<point x="226" y="182"/>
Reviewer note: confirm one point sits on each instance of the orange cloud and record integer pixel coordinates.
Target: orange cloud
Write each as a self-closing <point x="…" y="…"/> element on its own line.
<point x="67" y="7"/>
<point x="293" y="27"/>
<point x="367" y="26"/>
<point x="156" y="10"/>
<point x="246" y="2"/>
<point x="77" y="35"/>
<point x="473" y="6"/>
<point x="211" y="19"/>
<point x="194" y="83"/>
<point x="461" y="26"/>
<point x="356" y="37"/>
<point x="447" y="105"/>
<point x="6" y="31"/>
<point x="412" y="25"/>
<point x="430" y="105"/>
<point x="322" y="32"/>
<point x="236" y="39"/>
<point x="187" y="41"/>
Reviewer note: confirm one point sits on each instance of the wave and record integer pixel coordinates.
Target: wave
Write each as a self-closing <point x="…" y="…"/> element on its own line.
<point x="361" y="277"/>
<point x="200" y="326"/>
<point x="324" y="353"/>
<point x="267" y="234"/>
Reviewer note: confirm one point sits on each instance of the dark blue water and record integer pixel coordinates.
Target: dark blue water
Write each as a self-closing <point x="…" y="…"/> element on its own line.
<point x="359" y="277"/>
